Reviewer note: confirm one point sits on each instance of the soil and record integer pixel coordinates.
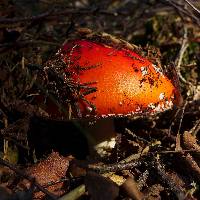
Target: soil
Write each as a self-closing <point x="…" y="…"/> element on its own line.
<point x="44" y="152"/>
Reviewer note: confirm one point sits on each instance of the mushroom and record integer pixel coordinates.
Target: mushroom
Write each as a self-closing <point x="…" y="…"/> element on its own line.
<point x="115" y="82"/>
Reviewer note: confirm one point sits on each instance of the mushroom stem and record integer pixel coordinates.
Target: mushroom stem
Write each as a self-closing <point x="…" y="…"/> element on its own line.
<point x="100" y="134"/>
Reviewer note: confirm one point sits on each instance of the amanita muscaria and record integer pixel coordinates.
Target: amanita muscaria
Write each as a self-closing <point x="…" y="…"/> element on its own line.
<point x="116" y="81"/>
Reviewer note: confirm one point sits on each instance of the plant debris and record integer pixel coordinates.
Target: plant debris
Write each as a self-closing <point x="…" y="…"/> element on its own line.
<point x="44" y="153"/>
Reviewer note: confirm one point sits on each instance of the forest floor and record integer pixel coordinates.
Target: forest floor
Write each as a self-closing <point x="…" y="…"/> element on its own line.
<point x="44" y="156"/>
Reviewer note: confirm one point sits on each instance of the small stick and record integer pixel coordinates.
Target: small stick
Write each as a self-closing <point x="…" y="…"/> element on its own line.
<point x="179" y="58"/>
<point x="114" y="167"/>
<point x="192" y="5"/>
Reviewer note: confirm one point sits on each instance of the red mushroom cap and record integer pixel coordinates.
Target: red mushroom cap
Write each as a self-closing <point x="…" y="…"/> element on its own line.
<point x="125" y="82"/>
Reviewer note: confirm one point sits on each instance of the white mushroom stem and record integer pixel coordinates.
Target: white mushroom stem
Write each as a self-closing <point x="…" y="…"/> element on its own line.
<point x="101" y="135"/>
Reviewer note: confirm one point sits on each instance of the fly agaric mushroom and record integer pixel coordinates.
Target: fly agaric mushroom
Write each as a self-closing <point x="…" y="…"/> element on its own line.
<point x="116" y="82"/>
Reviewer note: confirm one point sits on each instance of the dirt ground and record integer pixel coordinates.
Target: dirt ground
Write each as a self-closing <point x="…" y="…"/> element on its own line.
<point x="44" y="151"/>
